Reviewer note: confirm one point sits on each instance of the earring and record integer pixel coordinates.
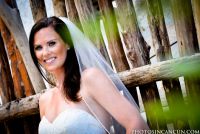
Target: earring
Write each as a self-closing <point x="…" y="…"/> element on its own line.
<point x="68" y="48"/>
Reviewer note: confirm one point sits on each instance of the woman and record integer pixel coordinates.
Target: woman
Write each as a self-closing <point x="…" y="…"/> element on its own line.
<point x="85" y="98"/>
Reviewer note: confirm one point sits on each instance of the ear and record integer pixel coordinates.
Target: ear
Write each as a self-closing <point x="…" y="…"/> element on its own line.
<point x="67" y="46"/>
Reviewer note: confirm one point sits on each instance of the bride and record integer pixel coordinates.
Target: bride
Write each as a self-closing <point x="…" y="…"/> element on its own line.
<point x="86" y="98"/>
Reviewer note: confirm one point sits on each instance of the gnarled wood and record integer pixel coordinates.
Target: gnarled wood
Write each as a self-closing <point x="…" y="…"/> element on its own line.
<point x="72" y="13"/>
<point x="159" y="71"/>
<point x="19" y="73"/>
<point x="185" y="27"/>
<point x="188" y="45"/>
<point x="12" y="20"/>
<point x="162" y="49"/>
<point x="38" y="9"/>
<point x="59" y="8"/>
<point x="6" y="83"/>
<point x="137" y="48"/>
<point x="20" y="108"/>
<point x="20" y="78"/>
<point x="158" y="29"/>
<point x="112" y="33"/>
<point x="138" y="54"/>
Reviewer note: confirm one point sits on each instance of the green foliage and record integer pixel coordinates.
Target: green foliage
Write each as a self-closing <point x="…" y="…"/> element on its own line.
<point x="190" y="109"/>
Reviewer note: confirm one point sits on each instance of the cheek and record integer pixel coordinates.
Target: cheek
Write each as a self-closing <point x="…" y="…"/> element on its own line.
<point x="38" y="55"/>
<point x="62" y="51"/>
<point x="64" y="55"/>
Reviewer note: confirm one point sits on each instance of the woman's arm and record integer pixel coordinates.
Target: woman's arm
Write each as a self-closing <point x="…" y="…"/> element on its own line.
<point x="102" y="89"/>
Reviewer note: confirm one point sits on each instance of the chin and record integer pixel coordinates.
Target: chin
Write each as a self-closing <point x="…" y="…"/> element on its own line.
<point x="53" y="69"/>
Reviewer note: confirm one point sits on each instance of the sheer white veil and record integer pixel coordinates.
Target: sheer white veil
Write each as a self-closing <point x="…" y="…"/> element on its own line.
<point x="89" y="56"/>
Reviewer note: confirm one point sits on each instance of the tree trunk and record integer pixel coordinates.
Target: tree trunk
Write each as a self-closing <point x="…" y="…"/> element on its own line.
<point x="72" y="13"/>
<point x="137" y="50"/>
<point x="169" y="69"/>
<point x="6" y="82"/>
<point x="20" y="108"/>
<point x="115" y="45"/>
<point x="28" y="87"/>
<point x="158" y="29"/>
<point x="12" y="20"/>
<point x="15" y="26"/>
<point x="19" y="75"/>
<point x="196" y="12"/>
<point x="91" y="25"/>
<point x="59" y="8"/>
<point x="185" y="27"/>
<point x="6" y="86"/>
<point x="38" y="9"/>
<point x="188" y="45"/>
<point x="161" y="46"/>
<point x="138" y="54"/>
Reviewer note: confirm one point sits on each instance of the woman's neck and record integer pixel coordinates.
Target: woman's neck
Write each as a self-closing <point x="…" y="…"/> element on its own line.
<point x="59" y="75"/>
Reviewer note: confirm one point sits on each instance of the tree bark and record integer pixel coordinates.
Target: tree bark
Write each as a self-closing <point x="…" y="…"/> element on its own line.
<point x="188" y="45"/>
<point x="20" y="108"/>
<point x="19" y="73"/>
<point x="138" y="54"/>
<point x="158" y="29"/>
<point x="162" y="49"/>
<point x="185" y="27"/>
<point x="112" y="33"/>
<point x="137" y="48"/>
<point x="12" y="20"/>
<point x="72" y="13"/>
<point x="28" y="87"/>
<point x="59" y="8"/>
<point x="6" y="85"/>
<point x="6" y="82"/>
<point x="21" y="79"/>
<point x="161" y="71"/>
<point x="38" y="9"/>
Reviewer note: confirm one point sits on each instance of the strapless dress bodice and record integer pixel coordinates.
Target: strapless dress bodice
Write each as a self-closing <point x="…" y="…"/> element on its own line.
<point x="71" y="121"/>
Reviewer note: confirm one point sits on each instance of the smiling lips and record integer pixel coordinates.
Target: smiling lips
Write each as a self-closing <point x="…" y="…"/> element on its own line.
<point x="50" y="60"/>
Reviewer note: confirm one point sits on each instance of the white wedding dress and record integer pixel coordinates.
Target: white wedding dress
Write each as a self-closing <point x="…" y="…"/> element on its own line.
<point x="71" y="121"/>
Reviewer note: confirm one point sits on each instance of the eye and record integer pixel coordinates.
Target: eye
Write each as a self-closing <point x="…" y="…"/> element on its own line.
<point x="38" y="47"/>
<point x="51" y="43"/>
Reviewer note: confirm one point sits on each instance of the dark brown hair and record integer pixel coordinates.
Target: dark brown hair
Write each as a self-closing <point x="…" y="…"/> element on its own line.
<point x="71" y="82"/>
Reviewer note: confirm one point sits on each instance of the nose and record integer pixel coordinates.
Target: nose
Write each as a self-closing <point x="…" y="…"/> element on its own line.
<point x="45" y="52"/>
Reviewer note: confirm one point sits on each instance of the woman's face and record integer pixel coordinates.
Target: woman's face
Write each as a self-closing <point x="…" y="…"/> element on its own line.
<point x="50" y="49"/>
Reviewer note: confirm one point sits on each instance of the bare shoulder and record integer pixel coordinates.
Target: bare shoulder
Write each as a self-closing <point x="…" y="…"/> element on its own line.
<point x="44" y="97"/>
<point x="92" y="77"/>
<point x="95" y="81"/>
<point x="44" y="100"/>
<point x="91" y="74"/>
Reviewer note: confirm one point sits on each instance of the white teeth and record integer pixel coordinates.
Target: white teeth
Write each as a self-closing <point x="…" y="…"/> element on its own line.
<point x="50" y="60"/>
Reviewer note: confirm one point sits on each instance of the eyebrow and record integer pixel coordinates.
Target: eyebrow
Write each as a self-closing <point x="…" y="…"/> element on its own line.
<point x="35" y="45"/>
<point x="51" y="41"/>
